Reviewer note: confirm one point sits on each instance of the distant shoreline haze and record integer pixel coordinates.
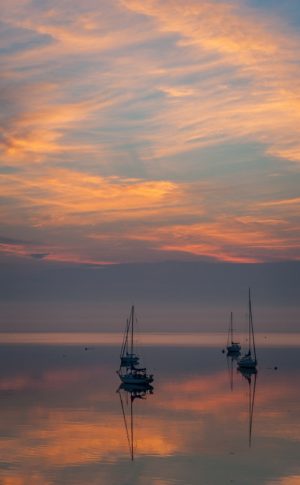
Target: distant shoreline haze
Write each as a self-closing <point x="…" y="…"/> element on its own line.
<point x="189" y="339"/>
<point x="169" y="297"/>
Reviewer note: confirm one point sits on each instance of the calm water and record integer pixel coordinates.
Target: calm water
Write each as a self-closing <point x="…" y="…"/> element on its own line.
<point x="62" y="422"/>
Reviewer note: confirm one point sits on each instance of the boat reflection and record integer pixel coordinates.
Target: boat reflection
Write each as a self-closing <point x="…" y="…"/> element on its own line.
<point x="231" y="365"/>
<point x="128" y="393"/>
<point x="250" y="374"/>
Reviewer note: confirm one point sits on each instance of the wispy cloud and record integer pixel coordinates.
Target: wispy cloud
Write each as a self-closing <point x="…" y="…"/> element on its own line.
<point x="261" y="104"/>
<point x="117" y="113"/>
<point x="63" y="196"/>
<point x="117" y="214"/>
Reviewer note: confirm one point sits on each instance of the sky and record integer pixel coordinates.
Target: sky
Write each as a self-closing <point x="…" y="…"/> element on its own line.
<point x="137" y="133"/>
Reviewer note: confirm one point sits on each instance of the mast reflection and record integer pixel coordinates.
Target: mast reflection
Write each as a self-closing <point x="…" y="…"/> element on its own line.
<point x="231" y="365"/>
<point x="128" y="393"/>
<point x="250" y="374"/>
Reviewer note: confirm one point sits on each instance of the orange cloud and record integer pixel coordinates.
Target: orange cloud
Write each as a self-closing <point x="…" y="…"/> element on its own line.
<point x="38" y="129"/>
<point x="235" y="239"/>
<point x="212" y="36"/>
<point x="93" y="93"/>
<point x="30" y="250"/>
<point x="294" y="202"/>
<point x="266" y="110"/>
<point x="63" y="196"/>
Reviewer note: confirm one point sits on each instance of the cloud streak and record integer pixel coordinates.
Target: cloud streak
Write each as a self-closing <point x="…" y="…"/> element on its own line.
<point x="171" y="117"/>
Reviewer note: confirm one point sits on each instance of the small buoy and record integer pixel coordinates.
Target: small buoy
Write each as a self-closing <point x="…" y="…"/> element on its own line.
<point x="223" y="351"/>
<point x="275" y="368"/>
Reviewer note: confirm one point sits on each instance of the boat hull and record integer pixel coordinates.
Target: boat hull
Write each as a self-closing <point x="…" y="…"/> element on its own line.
<point x="247" y="363"/>
<point x="234" y="348"/>
<point x="136" y="387"/>
<point x="135" y="381"/>
<point x="132" y="379"/>
<point x="129" y="360"/>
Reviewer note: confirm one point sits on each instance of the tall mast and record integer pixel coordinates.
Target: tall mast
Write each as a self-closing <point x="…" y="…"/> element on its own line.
<point x="251" y="406"/>
<point x="251" y="329"/>
<point x="231" y="326"/>
<point x="132" y="321"/>
<point x="229" y="333"/>
<point x="125" y="339"/>
<point x="249" y="323"/>
<point x="125" y="422"/>
<point x="131" y="426"/>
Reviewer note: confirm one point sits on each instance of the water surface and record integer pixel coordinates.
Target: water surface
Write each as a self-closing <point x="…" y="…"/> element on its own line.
<point x="62" y="418"/>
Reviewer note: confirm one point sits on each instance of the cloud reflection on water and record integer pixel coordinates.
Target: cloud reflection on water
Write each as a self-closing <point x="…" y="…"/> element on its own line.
<point x="61" y="417"/>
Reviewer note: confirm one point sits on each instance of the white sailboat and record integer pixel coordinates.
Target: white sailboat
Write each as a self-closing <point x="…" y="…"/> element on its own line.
<point x="132" y="375"/>
<point x="249" y="360"/>
<point x="136" y="376"/>
<point x="127" y="355"/>
<point x="232" y="346"/>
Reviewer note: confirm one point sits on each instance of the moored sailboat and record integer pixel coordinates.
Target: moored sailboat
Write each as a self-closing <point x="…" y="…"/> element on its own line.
<point x="249" y="360"/>
<point x="133" y="375"/>
<point x="128" y="356"/>
<point x="232" y="346"/>
<point x="136" y="376"/>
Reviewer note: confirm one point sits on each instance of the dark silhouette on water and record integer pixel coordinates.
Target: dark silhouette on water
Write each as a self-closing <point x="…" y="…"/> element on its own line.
<point x="231" y="361"/>
<point x="250" y="375"/>
<point x="233" y="348"/>
<point x="128" y="357"/>
<point x="128" y="371"/>
<point x="249" y="360"/>
<point x="128" y="393"/>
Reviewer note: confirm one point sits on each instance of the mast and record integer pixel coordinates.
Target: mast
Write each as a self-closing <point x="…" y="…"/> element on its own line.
<point x="249" y="323"/>
<point x="251" y="329"/>
<point x="230" y="332"/>
<point x="124" y="418"/>
<point x="132" y="321"/>
<point x="125" y="339"/>
<point x="251" y="405"/>
<point x="131" y="425"/>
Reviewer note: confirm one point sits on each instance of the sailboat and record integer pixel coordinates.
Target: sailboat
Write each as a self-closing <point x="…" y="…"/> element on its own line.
<point x="249" y="360"/>
<point x="136" y="376"/>
<point x="232" y="347"/>
<point x="132" y="392"/>
<point x="133" y="375"/>
<point x="127" y="355"/>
